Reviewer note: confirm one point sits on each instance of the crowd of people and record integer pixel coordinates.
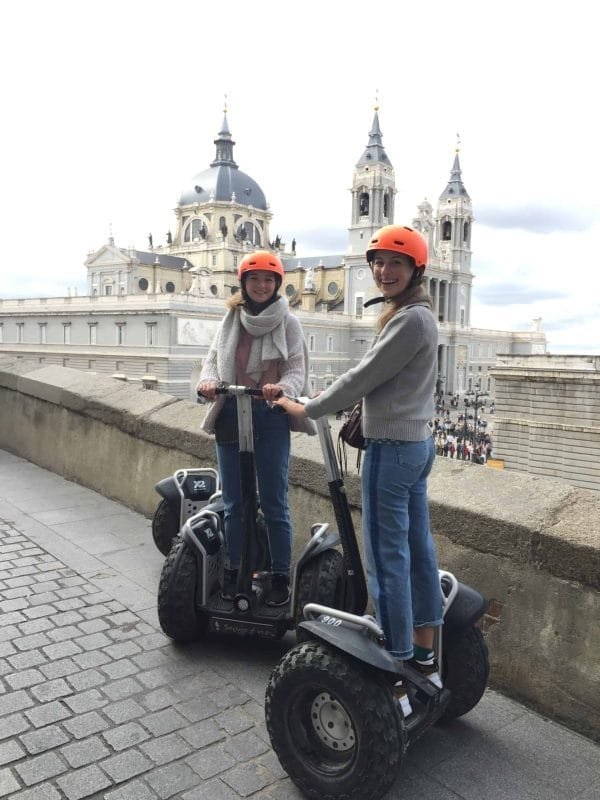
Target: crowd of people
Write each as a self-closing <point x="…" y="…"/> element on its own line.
<point x="462" y="437"/>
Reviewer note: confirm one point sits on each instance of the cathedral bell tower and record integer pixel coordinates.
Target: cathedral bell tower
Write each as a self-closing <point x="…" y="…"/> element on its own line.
<point x="373" y="191"/>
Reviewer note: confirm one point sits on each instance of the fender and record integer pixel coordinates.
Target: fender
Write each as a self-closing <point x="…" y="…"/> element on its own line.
<point x="322" y="539"/>
<point x="167" y="488"/>
<point x="352" y="640"/>
<point x="467" y="607"/>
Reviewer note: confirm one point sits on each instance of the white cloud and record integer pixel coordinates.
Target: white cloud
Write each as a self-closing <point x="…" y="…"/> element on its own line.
<point x="113" y="108"/>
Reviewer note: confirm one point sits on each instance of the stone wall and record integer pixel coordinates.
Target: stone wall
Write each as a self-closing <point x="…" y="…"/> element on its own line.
<point x="547" y="419"/>
<point x="530" y="544"/>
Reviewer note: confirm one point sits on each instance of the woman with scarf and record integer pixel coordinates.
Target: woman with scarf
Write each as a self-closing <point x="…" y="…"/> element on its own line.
<point x="260" y="344"/>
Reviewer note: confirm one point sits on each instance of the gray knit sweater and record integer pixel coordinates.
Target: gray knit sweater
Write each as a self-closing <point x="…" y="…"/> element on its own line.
<point x="396" y="378"/>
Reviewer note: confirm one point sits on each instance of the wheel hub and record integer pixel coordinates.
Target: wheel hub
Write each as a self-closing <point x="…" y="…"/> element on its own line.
<point x="331" y="723"/>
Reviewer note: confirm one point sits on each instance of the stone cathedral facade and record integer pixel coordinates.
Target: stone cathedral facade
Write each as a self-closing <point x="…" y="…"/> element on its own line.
<point x="149" y="315"/>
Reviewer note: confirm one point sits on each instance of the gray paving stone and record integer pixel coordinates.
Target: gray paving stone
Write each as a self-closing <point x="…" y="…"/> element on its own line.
<point x="133" y="790"/>
<point x="47" y="713"/>
<point x="85" y="701"/>
<point x="40" y="768"/>
<point x="211" y="761"/>
<point x="13" y="724"/>
<point x="51" y="690"/>
<point x="44" y="739"/>
<point x="125" y="736"/>
<point x="88" y="751"/>
<point x="86" y="679"/>
<point x="22" y="680"/>
<point x="123" y="766"/>
<point x="165" y="721"/>
<point x="212" y="790"/>
<point x="235" y="720"/>
<point x="123" y="710"/>
<point x="166" y="748"/>
<point x="246" y="746"/>
<point x="246" y="779"/>
<point x="59" y="669"/>
<point x="31" y="658"/>
<point x="83" y="782"/>
<point x="14" y="701"/>
<point x="8" y="782"/>
<point x="122" y="668"/>
<point x="171" y="779"/>
<point x="121" y="688"/>
<point x="64" y="633"/>
<point x="43" y="792"/>
<point x="86" y="724"/>
<point x="10" y="750"/>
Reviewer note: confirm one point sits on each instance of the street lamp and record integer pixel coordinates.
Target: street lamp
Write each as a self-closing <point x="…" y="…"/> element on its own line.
<point x="476" y="394"/>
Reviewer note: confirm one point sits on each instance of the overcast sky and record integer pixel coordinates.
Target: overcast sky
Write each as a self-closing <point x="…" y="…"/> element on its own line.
<point x="111" y="108"/>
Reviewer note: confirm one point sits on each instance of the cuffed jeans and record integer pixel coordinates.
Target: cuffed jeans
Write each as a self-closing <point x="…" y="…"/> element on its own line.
<point x="272" y="458"/>
<point x="402" y="572"/>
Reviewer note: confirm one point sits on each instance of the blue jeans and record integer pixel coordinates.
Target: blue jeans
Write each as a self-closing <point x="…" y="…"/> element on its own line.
<point x="402" y="572"/>
<point x="272" y="458"/>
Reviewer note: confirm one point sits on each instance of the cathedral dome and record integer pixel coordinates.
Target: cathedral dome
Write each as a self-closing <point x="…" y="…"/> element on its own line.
<point x="224" y="182"/>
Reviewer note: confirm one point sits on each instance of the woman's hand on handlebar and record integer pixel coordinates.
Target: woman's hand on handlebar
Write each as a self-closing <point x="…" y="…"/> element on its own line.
<point x="271" y="391"/>
<point x="208" y="389"/>
<point x="293" y="408"/>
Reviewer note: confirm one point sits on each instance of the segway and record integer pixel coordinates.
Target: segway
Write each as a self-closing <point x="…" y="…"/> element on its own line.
<point x="190" y="601"/>
<point x="332" y="707"/>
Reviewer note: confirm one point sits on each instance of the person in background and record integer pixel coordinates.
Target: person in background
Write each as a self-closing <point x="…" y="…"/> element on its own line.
<point x="396" y="379"/>
<point x="259" y="343"/>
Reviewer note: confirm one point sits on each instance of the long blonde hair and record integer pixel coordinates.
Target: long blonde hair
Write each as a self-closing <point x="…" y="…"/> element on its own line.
<point x="415" y="293"/>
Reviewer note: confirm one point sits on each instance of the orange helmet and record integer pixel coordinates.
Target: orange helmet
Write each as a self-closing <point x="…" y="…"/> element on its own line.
<point x="260" y="259"/>
<point x="400" y="239"/>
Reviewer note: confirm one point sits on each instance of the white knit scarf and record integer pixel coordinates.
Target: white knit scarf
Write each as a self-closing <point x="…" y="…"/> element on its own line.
<point x="268" y="339"/>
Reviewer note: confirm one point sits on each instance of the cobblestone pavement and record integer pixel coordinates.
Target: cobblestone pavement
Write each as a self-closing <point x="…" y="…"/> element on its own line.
<point x="95" y="702"/>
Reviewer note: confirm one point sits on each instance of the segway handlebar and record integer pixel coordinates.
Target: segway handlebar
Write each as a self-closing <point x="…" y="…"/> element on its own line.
<point x="234" y="391"/>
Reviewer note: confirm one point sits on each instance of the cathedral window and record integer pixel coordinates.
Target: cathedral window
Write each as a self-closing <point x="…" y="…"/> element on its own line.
<point x="150" y="334"/>
<point x="466" y="232"/>
<point x="386" y="206"/>
<point x="169" y="287"/>
<point x="446" y="231"/>
<point x="143" y="284"/>
<point x="248" y="232"/>
<point x="311" y="343"/>
<point x="363" y="204"/>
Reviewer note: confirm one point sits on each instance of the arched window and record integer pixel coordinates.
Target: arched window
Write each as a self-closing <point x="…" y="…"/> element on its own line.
<point x="386" y="205"/>
<point x="363" y="204"/>
<point x="447" y="231"/>
<point x="248" y="232"/>
<point x="466" y="232"/>
<point x="195" y="231"/>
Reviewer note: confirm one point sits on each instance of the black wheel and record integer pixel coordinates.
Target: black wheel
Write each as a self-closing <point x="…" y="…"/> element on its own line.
<point x="335" y="726"/>
<point x="465" y="670"/>
<point x="177" y="613"/>
<point x="165" y="527"/>
<point x="320" y="581"/>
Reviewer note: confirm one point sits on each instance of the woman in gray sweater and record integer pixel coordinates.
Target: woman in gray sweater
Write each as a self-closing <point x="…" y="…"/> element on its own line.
<point x="396" y="379"/>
